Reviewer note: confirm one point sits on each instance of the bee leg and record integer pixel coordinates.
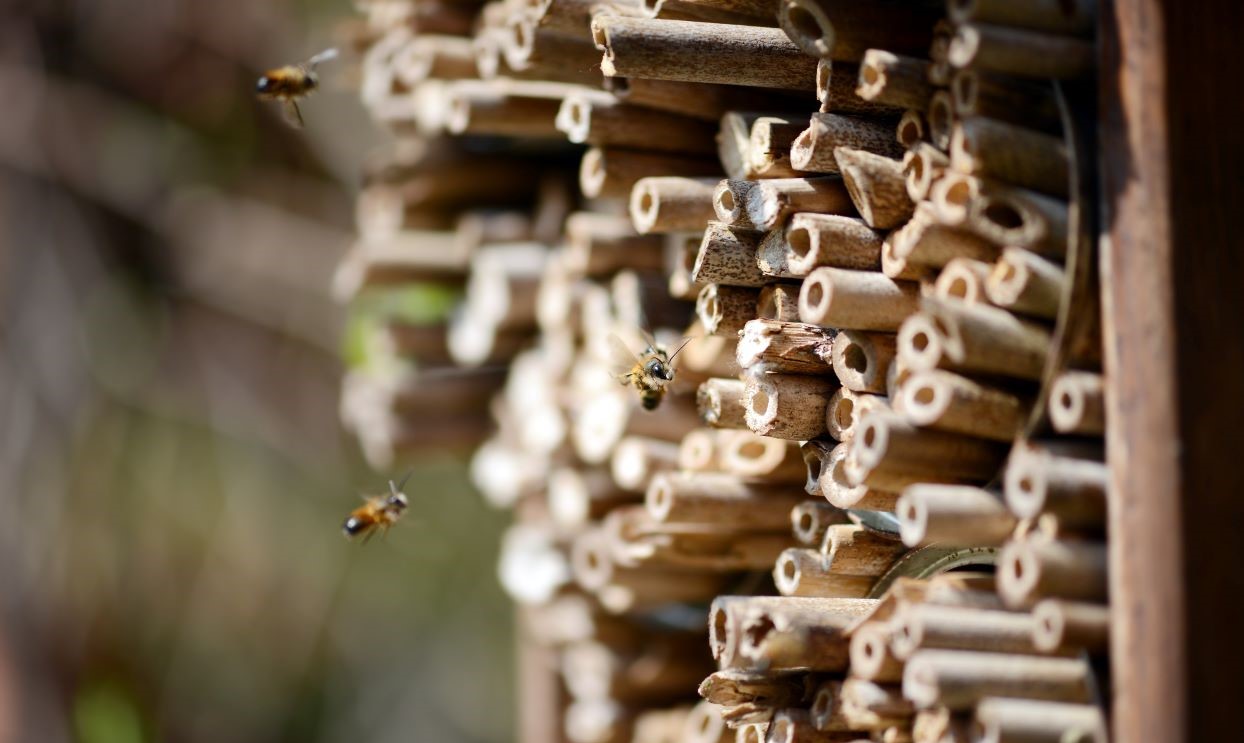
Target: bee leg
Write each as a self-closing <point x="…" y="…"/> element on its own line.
<point x="292" y="115"/>
<point x="367" y="537"/>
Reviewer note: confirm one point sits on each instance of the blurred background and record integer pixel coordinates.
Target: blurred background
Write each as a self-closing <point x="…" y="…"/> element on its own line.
<point x="172" y="471"/>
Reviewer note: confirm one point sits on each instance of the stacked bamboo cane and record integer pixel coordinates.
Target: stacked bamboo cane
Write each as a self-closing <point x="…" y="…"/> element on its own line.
<point x="877" y="286"/>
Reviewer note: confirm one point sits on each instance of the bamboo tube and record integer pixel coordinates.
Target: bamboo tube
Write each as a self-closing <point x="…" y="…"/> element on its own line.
<point x="811" y="519"/>
<point x="753" y="144"/>
<point x="812" y="150"/>
<point x="1021" y="52"/>
<point x="1073" y="489"/>
<point x="1077" y="403"/>
<point x="1006" y="215"/>
<point x="785" y="347"/>
<point x="836" y="91"/>
<point x="752" y="733"/>
<point x="730" y="203"/>
<point x="856" y="551"/>
<point x="587" y="119"/>
<point x="1012" y="154"/>
<point x="662" y="725"/>
<point x="534" y="52"/>
<point x="912" y="129"/>
<point x="636" y="459"/>
<point x="701" y="52"/>
<point x="1006" y="98"/>
<point x="902" y="82"/>
<point x="942" y="119"/>
<point x="727" y="615"/>
<point x="871" y="658"/>
<point x="1073" y="18"/>
<point x="826" y="711"/>
<point x="621" y="589"/>
<point x="959" y="679"/>
<point x="815" y="456"/>
<point x="437" y="56"/>
<point x="926" y="626"/>
<point x="940" y="725"/>
<point x="856" y="300"/>
<point x="659" y="670"/>
<point x="722" y="403"/>
<point x="762" y="459"/>
<point x="889" y="446"/>
<point x="613" y="172"/>
<point x="771" y="256"/>
<point x="733" y="686"/>
<point x="603" y="244"/>
<point x="869" y="705"/>
<point x="671" y="204"/>
<point x="724" y="310"/>
<point x="778" y="302"/>
<point x="999" y="720"/>
<point x="706" y="101"/>
<point x="795" y="726"/>
<point x="926" y="241"/>
<point x="700" y="450"/>
<point x="509" y="108"/>
<point x="787" y="406"/>
<point x="963" y="279"/>
<point x="1025" y="283"/>
<point x="728" y="256"/>
<point x="486" y="45"/>
<point x="597" y="721"/>
<point x="635" y="540"/>
<point x="922" y="165"/>
<point x="952" y="514"/>
<point x="973" y="339"/>
<point x="770" y="202"/>
<point x="845" y="31"/>
<point x="704" y="497"/>
<point x="862" y="360"/>
<point x="806" y="572"/>
<point x="816" y="240"/>
<point x="796" y="632"/>
<point x="896" y="267"/>
<point x="577" y="497"/>
<point x="705" y="725"/>
<point x="840" y="492"/>
<point x="876" y="186"/>
<point x="948" y="402"/>
<point x="845" y="410"/>
<point x="1067" y="625"/>
<point x="1035" y="569"/>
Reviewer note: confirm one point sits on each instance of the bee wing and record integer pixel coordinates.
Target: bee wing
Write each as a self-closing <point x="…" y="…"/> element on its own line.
<point x="323" y="56"/>
<point x="399" y="487"/>
<point x="624" y="359"/>
<point x="292" y="115"/>
<point x="648" y="339"/>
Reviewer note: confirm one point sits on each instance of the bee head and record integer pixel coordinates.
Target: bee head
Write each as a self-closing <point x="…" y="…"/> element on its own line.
<point x="352" y="526"/>
<point x="265" y="85"/>
<point x="396" y="502"/>
<point x="658" y="369"/>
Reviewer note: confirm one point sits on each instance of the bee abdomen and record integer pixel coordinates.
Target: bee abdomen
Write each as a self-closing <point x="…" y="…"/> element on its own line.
<point x="353" y="526"/>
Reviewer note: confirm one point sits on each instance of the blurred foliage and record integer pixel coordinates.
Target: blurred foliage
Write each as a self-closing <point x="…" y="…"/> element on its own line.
<point x="172" y="472"/>
<point x="419" y="304"/>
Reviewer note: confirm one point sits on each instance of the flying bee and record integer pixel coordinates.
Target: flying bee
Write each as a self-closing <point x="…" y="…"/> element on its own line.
<point x="379" y="512"/>
<point x="289" y="83"/>
<point x="650" y="372"/>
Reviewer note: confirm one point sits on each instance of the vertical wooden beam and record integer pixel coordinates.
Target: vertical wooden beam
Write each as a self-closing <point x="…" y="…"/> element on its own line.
<point x="1174" y="338"/>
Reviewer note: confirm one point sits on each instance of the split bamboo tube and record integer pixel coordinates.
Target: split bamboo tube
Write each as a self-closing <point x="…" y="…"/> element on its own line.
<point x="839" y="491"/>
<point x="1077" y="403"/>
<point x="1012" y="154"/>
<point x="806" y="572"/>
<point x="862" y="360"/>
<point x="728" y="256"/>
<point x="948" y="402"/>
<point x="1025" y="283"/>
<point x="1006" y="98"/>
<point x="724" y="310"/>
<point x="771" y="256"/>
<point x="508" y="108"/>
<point x="1075" y="18"/>
<point x="998" y="720"/>
<point x="927" y="626"/>
<point x="778" y="302"/>
<point x="701" y="52"/>
<point x="785" y="347"/>
<point x="922" y="165"/>
<point x="1067" y="625"/>
<point x="672" y="204"/>
<point x="876" y="186"/>
<point x="846" y="30"/>
<point x="752" y="144"/>
<point x="636" y="459"/>
<point x="1021" y="52"/>
<point x="815" y="456"/>
<point x="787" y="406"/>
<point x="888" y="78"/>
<point x="856" y="300"/>
<point x="816" y="240"/>
<point x="912" y="129"/>
<point x="721" y="499"/>
<point x="958" y="679"/>
<point x="1042" y="481"/>
<point x="973" y="339"/>
<point x="869" y="705"/>
<point x="722" y="403"/>
<point x="733" y="686"/>
<point x="727" y="614"/>
<point x="586" y="119"/>
<point x="730" y="203"/>
<point x="845" y="410"/>
<point x="963" y="279"/>
<point x="887" y="446"/>
<point x="836" y="84"/>
<point x="811" y="519"/>
<point x="762" y="459"/>
<point x="856" y="551"/>
<point x="795" y="726"/>
<point x="796" y="632"/>
<point x="770" y="202"/>
<point x="613" y="172"/>
<point x="952" y="514"/>
<point x="826" y="711"/>
<point x="1036" y="568"/>
<point x="871" y="658"/>
<point x="813" y="149"/>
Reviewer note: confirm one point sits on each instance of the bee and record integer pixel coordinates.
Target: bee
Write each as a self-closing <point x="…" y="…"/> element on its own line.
<point x="650" y="372"/>
<point x="289" y="83"/>
<point x="379" y="512"/>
